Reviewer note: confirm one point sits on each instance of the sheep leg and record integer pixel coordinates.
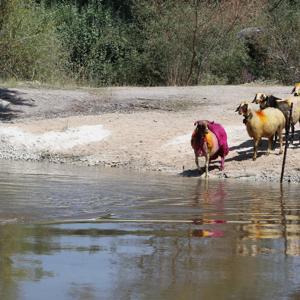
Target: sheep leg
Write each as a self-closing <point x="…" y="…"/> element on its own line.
<point x="293" y="131"/>
<point x="274" y="141"/>
<point x="270" y="142"/>
<point x="281" y="142"/>
<point x="287" y="129"/>
<point x="256" y="142"/>
<point x="222" y="163"/>
<point x="197" y="161"/>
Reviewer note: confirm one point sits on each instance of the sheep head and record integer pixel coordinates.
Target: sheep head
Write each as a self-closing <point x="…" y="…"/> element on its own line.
<point x="243" y="108"/>
<point x="198" y="136"/>
<point x="296" y="89"/>
<point x="259" y="98"/>
<point x="201" y="127"/>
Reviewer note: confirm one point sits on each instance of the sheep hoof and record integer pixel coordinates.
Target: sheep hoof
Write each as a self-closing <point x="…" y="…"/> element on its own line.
<point x="254" y="158"/>
<point x="268" y="153"/>
<point x="280" y="152"/>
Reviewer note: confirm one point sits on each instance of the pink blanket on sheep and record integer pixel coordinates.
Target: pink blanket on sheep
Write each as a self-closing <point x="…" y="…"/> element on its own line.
<point x="221" y="135"/>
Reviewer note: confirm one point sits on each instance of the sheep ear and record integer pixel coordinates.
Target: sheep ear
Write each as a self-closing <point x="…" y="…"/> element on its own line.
<point x="254" y="100"/>
<point x="238" y="108"/>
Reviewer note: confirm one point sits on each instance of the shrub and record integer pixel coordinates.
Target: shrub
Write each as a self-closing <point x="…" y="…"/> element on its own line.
<point x="100" y="51"/>
<point x="282" y="41"/>
<point x="149" y="42"/>
<point x="29" y="47"/>
<point x="190" y="42"/>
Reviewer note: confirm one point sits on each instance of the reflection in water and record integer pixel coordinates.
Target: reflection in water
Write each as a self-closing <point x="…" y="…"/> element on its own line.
<point x="276" y="218"/>
<point x="235" y="233"/>
<point x="13" y="266"/>
<point x="290" y="216"/>
<point x="206" y="233"/>
<point x="113" y="261"/>
<point x="209" y="199"/>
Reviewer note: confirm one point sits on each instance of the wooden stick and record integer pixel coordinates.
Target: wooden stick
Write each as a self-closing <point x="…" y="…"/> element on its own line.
<point x="286" y="143"/>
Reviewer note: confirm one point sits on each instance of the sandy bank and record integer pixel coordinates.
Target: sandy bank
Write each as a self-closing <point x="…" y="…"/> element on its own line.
<point x="138" y="128"/>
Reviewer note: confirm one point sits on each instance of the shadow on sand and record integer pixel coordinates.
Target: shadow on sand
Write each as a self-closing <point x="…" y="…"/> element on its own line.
<point x="296" y="143"/>
<point x="198" y="173"/>
<point x="14" y="98"/>
<point x="245" y="150"/>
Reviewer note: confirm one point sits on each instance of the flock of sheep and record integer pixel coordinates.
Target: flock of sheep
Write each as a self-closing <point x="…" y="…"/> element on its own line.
<point x="209" y="139"/>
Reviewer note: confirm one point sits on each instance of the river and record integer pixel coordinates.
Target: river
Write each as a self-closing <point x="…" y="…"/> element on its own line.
<point x="158" y="236"/>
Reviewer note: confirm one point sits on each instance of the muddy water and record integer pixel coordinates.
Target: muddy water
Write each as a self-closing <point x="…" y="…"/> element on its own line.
<point x="180" y="238"/>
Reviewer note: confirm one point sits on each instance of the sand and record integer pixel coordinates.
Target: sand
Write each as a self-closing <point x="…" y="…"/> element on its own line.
<point x="146" y="129"/>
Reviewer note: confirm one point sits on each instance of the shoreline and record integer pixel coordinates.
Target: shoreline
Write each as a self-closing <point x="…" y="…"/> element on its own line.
<point x="144" y="129"/>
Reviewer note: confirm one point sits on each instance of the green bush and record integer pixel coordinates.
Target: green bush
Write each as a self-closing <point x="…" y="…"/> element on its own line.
<point x="193" y="42"/>
<point x="29" y="47"/>
<point x="282" y="41"/>
<point x="100" y="52"/>
<point x="149" y="42"/>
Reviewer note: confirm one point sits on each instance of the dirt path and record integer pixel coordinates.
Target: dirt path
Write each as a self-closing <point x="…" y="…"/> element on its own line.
<point x="139" y="128"/>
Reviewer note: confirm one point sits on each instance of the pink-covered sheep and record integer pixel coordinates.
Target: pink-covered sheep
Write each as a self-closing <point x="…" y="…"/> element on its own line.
<point x="209" y="139"/>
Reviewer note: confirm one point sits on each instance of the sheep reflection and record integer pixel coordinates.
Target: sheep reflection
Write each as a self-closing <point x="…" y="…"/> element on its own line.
<point x="210" y="198"/>
<point x="264" y="222"/>
<point x="278" y="219"/>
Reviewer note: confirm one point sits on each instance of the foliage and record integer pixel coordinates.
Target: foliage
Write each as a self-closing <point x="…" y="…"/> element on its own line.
<point x="190" y="41"/>
<point x="150" y="42"/>
<point x="29" y="47"/>
<point x="100" y="49"/>
<point x="282" y="42"/>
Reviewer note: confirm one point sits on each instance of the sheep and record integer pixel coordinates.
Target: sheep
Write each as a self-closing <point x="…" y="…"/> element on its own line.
<point x="296" y="89"/>
<point x="295" y="113"/>
<point x="209" y="139"/>
<point x="284" y="106"/>
<point x="265" y="101"/>
<point x="262" y="123"/>
<point x="295" y="118"/>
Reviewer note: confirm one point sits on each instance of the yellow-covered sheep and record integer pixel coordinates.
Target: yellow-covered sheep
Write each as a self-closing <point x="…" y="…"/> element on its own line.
<point x="262" y="123"/>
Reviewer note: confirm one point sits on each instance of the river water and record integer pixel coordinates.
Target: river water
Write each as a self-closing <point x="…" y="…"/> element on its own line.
<point x="161" y="237"/>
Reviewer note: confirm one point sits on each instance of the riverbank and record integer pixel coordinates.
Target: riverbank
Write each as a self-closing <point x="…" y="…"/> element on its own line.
<point x="137" y="128"/>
